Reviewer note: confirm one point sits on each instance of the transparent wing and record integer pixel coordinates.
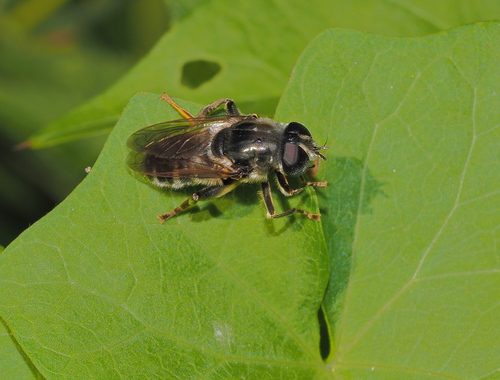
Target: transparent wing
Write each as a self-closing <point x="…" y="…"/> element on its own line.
<point x="177" y="149"/>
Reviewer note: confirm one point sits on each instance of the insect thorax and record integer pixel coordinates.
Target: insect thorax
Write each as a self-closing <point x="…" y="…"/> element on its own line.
<point x="252" y="145"/>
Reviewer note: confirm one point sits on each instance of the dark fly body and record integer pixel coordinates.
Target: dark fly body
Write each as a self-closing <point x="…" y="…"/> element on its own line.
<point x="223" y="151"/>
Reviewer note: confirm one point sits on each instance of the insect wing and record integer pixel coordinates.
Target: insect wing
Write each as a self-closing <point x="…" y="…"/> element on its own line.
<point x="146" y="139"/>
<point x="176" y="149"/>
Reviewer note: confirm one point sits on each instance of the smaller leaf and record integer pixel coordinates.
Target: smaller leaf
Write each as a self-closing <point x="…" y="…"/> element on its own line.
<point x="248" y="63"/>
<point x="12" y="363"/>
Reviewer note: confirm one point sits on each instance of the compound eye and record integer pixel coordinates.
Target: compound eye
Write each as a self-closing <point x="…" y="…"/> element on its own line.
<point x="297" y="128"/>
<point x="295" y="159"/>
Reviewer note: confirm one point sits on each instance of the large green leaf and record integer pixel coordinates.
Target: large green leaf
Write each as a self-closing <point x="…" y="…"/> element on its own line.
<point x="246" y="50"/>
<point x="99" y="288"/>
<point x="411" y="223"/>
<point x="413" y="207"/>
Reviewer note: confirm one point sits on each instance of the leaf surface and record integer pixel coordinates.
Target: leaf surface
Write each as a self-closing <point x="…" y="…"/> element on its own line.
<point x="412" y="212"/>
<point x="409" y="237"/>
<point x="99" y="288"/>
<point x="247" y="52"/>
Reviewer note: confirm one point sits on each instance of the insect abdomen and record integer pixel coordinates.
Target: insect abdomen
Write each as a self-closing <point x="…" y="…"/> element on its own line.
<point x="175" y="183"/>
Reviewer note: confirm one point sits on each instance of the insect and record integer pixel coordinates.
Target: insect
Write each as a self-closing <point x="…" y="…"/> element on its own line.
<point x="223" y="151"/>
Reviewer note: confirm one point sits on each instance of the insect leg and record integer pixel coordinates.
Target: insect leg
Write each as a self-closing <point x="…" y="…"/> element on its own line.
<point x="228" y="104"/>
<point x="230" y="107"/>
<point x="206" y="193"/>
<point x="271" y="213"/>
<point x="185" y="114"/>
<point x="285" y="188"/>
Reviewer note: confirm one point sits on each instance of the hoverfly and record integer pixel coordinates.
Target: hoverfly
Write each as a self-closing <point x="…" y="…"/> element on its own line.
<point x="221" y="152"/>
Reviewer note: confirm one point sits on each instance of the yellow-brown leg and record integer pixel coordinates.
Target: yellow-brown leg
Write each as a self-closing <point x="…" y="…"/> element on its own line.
<point x="229" y="105"/>
<point x="185" y="114"/>
<point x="206" y="193"/>
<point x="287" y="190"/>
<point x="271" y="213"/>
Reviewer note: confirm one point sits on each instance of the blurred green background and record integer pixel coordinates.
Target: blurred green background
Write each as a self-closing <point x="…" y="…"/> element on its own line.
<point x="68" y="68"/>
<point x="54" y="54"/>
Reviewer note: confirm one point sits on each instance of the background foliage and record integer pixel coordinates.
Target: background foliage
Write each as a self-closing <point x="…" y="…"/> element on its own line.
<point x="410" y="220"/>
<point x="73" y="50"/>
